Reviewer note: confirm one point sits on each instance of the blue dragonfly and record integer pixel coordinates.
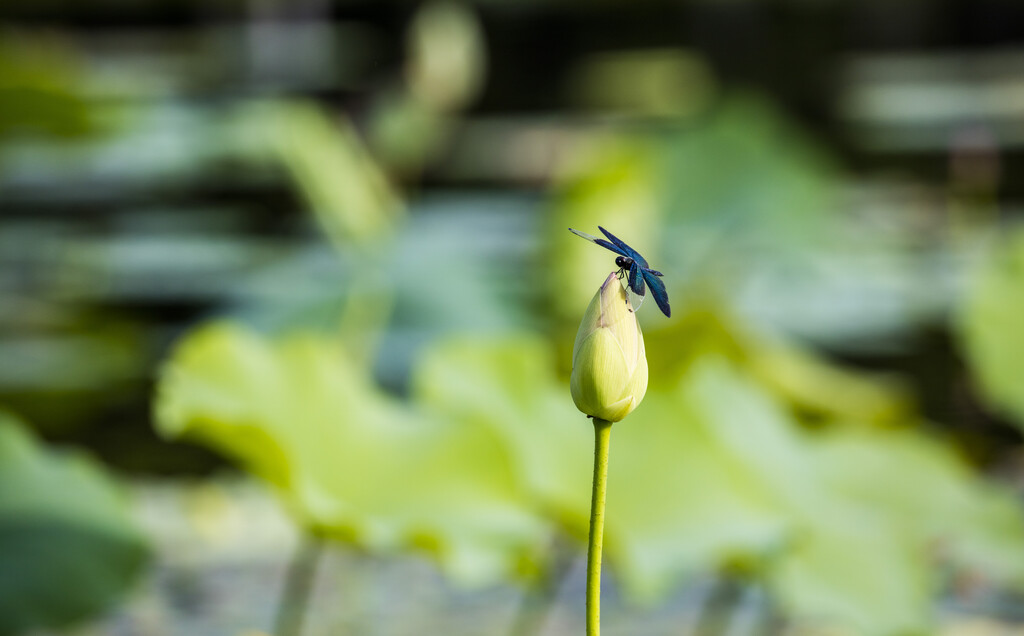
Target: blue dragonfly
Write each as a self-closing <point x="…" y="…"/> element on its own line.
<point x="640" y="275"/>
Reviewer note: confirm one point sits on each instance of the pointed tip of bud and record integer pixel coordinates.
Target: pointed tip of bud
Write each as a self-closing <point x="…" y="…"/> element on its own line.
<point x="609" y="370"/>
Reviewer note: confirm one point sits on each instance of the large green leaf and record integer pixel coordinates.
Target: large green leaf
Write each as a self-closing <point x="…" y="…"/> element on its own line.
<point x="865" y="509"/>
<point x="715" y="199"/>
<point x="675" y="503"/>
<point x="755" y="463"/>
<point x="806" y="382"/>
<point x="842" y="562"/>
<point x="712" y="472"/>
<point x="349" y="460"/>
<point x="856" y="572"/>
<point x="990" y="327"/>
<point x="679" y="503"/>
<point x="926" y="491"/>
<point x="68" y="547"/>
<point x="749" y="171"/>
<point x="508" y="385"/>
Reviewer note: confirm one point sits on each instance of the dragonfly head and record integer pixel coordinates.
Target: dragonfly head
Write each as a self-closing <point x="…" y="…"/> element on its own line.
<point x="623" y="262"/>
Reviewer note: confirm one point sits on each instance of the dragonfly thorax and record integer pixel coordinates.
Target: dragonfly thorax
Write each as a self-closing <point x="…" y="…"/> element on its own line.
<point x="632" y="266"/>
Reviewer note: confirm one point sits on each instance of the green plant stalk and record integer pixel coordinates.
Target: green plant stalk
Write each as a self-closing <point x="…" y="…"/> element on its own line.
<point x="718" y="613"/>
<point x="540" y="597"/>
<point x="298" y="587"/>
<point x="602" y="440"/>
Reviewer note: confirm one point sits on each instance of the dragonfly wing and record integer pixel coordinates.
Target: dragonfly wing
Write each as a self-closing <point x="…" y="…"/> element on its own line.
<point x="603" y="243"/>
<point x="636" y="280"/>
<point x="658" y="291"/>
<point x="635" y="299"/>
<point x="628" y="251"/>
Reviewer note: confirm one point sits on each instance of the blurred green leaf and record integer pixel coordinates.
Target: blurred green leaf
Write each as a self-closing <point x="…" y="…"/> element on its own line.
<point x="807" y="383"/>
<point x="509" y="385"/>
<point x="405" y="133"/>
<point x="855" y="572"/>
<point x="824" y="391"/>
<point x="929" y="492"/>
<point x="351" y="462"/>
<point x="339" y="180"/>
<point x="447" y="56"/>
<point x="897" y="501"/>
<point x="60" y="381"/>
<point x="445" y="66"/>
<point x="990" y="327"/>
<point x="713" y="472"/>
<point x="865" y="508"/>
<point x="655" y="82"/>
<point x="68" y="546"/>
<point x="713" y="197"/>
<point x="41" y="90"/>
<point x="748" y="170"/>
<point x="674" y="504"/>
<point x="679" y="503"/>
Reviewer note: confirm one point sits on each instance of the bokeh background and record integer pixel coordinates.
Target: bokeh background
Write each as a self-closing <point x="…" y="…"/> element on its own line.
<point x="287" y="304"/>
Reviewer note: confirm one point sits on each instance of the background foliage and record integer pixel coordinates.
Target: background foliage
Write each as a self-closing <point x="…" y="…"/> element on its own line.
<point x="325" y="244"/>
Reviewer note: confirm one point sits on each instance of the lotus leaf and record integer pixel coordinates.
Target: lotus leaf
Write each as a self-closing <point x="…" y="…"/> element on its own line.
<point x="990" y="327"/>
<point x="350" y="461"/>
<point x="68" y="547"/>
<point x="713" y="472"/>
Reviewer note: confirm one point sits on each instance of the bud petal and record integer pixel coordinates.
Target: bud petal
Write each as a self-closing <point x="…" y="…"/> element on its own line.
<point x="609" y="364"/>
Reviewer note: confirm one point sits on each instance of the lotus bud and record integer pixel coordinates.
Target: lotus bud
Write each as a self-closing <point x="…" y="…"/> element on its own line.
<point x="609" y="364"/>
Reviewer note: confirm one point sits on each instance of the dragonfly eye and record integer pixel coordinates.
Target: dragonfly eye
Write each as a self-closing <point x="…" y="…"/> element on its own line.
<point x="623" y="261"/>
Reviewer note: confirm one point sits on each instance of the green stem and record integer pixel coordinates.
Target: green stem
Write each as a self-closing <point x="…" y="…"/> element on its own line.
<point x="540" y="597"/>
<point x="602" y="440"/>
<point x="719" y="608"/>
<point x="298" y="587"/>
